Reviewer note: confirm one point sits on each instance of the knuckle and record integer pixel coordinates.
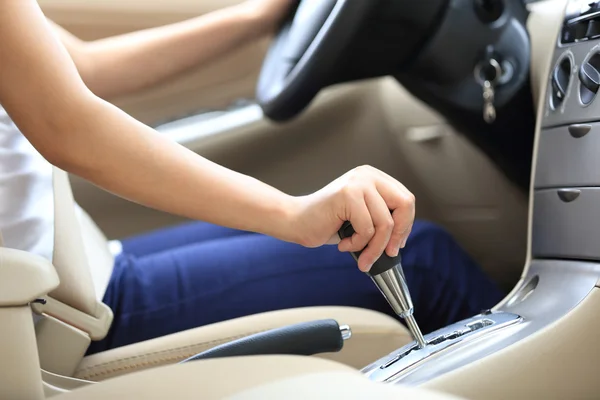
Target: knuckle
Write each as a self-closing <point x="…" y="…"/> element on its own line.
<point x="356" y="181"/>
<point x="350" y="190"/>
<point x="369" y="232"/>
<point x="388" y="223"/>
<point x="408" y="200"/>
<point x="364" y="169"/>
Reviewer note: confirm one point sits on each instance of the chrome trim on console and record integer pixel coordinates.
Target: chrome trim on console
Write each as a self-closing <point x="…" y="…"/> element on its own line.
<point x="550" y="290"/>
<point x="460" y="333"/>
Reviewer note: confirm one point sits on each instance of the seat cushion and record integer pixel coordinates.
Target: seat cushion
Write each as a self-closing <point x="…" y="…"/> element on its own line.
<point x="373" y="336"/>
<point x="245" y="378"/>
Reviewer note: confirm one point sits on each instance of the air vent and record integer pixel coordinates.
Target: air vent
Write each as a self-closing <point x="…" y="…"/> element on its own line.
<point x="589" y="78"/>
<point x="561" y="77"/>
<point x="582" y="22"/>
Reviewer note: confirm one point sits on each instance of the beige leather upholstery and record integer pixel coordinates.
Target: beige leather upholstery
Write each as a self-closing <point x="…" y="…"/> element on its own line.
<point x="265" y="377"/>
<point x="73" y="311"/>
<point x="373" y="335"/>
<point x="19" y="364"/>
<point x="70" y="259"/>
<point x="98" y="255"/>
<point x="24" y="277"/>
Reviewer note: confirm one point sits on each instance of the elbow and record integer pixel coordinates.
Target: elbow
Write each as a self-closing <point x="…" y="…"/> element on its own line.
<point x="59" y="152"/>
<point x="62" y="140"/>
<point x="59" y="157"/>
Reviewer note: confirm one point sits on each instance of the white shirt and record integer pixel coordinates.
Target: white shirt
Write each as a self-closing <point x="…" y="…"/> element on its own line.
<point x="26" y="195"/>
<point x="27" y="198"/>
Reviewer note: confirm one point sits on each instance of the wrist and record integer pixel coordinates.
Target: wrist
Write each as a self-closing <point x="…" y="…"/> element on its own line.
<point x="286" y="218"/>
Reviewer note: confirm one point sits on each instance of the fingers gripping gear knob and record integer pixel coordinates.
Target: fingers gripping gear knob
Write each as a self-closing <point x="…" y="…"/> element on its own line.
<point x="388" y="276"/>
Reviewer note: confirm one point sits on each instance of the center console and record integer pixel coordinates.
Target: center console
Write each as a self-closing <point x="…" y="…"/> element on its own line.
<point x="564" y="247"/>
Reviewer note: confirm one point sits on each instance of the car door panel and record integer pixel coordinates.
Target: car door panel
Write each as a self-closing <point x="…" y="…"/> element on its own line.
<point x="216" y="86"/>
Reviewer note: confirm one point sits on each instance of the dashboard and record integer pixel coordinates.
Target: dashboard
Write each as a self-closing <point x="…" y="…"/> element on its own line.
<point x="567" y="170"/>
<point x="575" y="76"/>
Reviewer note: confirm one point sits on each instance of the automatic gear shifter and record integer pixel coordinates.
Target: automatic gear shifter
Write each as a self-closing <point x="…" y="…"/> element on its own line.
<point x="389" y="277"/>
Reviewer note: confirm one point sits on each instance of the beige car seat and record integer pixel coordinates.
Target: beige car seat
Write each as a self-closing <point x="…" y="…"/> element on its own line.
<point x="63" y="293"/>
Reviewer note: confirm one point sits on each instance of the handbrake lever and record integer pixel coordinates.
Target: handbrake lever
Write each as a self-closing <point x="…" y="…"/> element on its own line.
<point x="389" y="277"/>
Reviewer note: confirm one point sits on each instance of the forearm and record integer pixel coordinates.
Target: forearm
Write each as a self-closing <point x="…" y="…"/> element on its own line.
<point x="148" y="168"/>
<point x="83" y="134"/>
<point x="127" y="63"/>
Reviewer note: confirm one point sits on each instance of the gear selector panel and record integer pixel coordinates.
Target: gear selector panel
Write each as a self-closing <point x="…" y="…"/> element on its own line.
<point x="405" y="360"/>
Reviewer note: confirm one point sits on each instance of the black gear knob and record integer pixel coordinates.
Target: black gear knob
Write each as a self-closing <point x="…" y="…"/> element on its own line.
<point x="389" y="277"/>
<point x="384" y="263"/>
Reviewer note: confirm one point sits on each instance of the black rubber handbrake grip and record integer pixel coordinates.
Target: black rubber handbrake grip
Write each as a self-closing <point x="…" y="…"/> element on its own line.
<point x="384" y="262"/>
<point x="304" y="339"/>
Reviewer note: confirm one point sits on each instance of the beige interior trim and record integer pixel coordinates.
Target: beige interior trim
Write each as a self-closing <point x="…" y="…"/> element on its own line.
<point x="98" y="253"/>
<point x="24" y="277"/>
<point x="559" y="362"/>
<point x="229" y="375"/>
<point x="213" y="87"/>
<point x="61" y="347"/>
<point x="374" y="335"/>
<point x="334" y="385"/>
<point x="69" y="258"/>
<point x="20" y="376"/>
<point x="264" y="377"/>
<point x="95" y="326"/>
<point x="543" y="24"/>
<point x="57" y="384"/>
<point x="177" y="7"/>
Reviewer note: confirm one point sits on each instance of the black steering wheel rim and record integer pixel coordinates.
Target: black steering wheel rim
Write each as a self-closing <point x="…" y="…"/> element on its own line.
<point x="305" y="52"/>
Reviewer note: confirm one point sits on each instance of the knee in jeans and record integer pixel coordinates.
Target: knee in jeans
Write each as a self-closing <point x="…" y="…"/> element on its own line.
<point x="425" y="230"/>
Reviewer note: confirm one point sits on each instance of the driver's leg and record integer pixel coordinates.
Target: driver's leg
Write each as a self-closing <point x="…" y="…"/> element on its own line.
<point x="176" y="236"/>
<point x="222" y="279"/>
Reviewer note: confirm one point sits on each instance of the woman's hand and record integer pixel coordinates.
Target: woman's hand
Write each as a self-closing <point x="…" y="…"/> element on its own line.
<point x="363" y="196"/>
<point x="270" y="12"/>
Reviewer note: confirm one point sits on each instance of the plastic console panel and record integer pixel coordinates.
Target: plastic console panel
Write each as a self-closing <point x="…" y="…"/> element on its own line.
<point x="549" y="291"/>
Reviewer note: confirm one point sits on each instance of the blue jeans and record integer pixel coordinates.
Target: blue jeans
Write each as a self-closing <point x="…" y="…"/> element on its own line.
<point x="196" y="274"/>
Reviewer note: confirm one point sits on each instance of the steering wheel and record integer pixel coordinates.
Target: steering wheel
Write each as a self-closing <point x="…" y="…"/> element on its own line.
<point x="305" y="53"/>
<point x="432" y="47"/>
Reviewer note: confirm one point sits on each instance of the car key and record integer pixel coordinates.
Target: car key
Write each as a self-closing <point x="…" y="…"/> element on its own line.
<point x="487" y="74"/>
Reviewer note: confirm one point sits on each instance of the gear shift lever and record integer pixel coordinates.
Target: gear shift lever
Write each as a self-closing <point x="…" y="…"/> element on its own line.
<point x="389" y="277"/>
